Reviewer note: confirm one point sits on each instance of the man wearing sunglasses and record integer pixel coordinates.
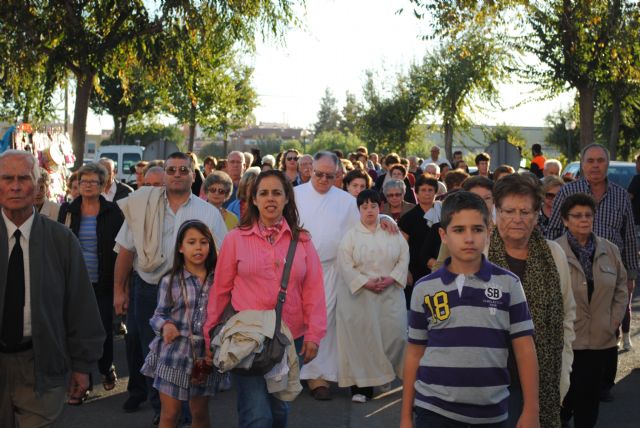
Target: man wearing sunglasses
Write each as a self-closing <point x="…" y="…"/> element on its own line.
<point x="145" y="244"/>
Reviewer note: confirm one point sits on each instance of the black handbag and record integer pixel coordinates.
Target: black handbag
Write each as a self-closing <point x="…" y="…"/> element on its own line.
<point x="273" y="349"/>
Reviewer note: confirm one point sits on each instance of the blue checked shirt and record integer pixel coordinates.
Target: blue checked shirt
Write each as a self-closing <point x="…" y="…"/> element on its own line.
<point x="175" y="360"/>
<point x="613" y="220"/>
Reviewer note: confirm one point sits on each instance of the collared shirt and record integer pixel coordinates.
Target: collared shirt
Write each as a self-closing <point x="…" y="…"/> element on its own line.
<point x="193" y="209"/>
<point x="25" y="230"/>
<point x="613" y="220"/>
<point x="111" y="193"/>
<point x="249" y="272"/>
<point x="467" y="325"/>
<point x="176" y="359"/>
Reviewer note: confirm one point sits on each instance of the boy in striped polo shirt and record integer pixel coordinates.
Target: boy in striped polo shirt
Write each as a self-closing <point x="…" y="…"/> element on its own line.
<point x="463" y="318"/>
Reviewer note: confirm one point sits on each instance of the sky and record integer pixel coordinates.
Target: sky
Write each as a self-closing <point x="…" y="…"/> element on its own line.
<point x="337" y="41"/>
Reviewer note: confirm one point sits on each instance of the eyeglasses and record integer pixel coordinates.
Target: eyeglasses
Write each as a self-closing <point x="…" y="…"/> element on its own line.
<point x="550" y="195"/>
<point x="294" y="158"/>
<point x="513" y="213"/>
<point x="321" y="175"/>
<point x="580" y="216"/>
<point x="183" y="170"/>
<point x="89" y="182"/>
<point x="393" y="195"/>
<point x="218" y="191"/>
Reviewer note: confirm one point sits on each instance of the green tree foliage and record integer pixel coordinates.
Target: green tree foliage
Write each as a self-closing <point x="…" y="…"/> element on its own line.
<point x="331" y="140"/>
<point x="328" y="115"/>
<point x="133" y="91"/>
<point x="205" y="83"/>
<point x="81" y="36"/>
<point x="144" y="133"/>
<point x="389" y="121"/>
<point x="454" y="78"/>
<point x="351" y="115"/>
<point x="582" y="44"/>
<point x="567" y="141"/>
<point x="26" y="91"/>
<point x="237" y="103"/>
<point x="504" y="132"/>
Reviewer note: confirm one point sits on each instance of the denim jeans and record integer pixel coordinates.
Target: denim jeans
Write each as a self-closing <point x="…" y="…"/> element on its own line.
<point x="146" y="299"/>
<point x="256" y="407"/>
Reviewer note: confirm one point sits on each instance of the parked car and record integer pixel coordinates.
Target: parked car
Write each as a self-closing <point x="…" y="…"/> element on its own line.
<point x="125" y="157"/>
<point x="619" y="172"/>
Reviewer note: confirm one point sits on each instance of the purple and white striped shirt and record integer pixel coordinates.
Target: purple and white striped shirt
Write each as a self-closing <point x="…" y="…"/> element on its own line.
<point x="463" y="373"/>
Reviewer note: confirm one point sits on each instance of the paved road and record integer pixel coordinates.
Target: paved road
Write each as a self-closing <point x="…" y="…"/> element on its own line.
<point x="103" y="410"/>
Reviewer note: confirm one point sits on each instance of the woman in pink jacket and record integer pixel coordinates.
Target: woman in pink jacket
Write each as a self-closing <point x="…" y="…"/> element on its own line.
<point x="249" y="270"/>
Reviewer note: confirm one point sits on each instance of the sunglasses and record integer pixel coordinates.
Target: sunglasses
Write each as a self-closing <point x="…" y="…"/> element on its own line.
<point x="183" y="170"/>
<point x="218" y="191"/>
<point x="550" y="195"/>
<point x="293" y="158"/>
<point x="321" y="175"/>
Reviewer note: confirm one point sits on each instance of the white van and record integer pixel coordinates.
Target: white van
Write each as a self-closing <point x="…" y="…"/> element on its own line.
<point x="125" y="158"/>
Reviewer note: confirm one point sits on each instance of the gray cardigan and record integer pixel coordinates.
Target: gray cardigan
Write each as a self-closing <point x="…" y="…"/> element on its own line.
<point x="67" y="332"/>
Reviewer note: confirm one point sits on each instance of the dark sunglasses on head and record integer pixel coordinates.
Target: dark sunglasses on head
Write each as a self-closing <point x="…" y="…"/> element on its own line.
<point x="171" y="170"/>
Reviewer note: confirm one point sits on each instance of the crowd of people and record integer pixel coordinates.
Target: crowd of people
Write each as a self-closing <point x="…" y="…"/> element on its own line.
<point x="498" y="298"/>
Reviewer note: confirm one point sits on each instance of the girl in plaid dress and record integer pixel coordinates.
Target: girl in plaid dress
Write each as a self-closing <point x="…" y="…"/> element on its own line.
<point x="180" y="366"/>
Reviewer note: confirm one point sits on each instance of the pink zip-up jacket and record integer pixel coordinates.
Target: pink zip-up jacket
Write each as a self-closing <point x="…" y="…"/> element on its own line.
<point x="249" y="271"/>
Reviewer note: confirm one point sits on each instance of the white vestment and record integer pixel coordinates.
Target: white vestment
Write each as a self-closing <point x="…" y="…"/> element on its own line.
<point x="327" y="217"/>
<point x="371" y="328"/>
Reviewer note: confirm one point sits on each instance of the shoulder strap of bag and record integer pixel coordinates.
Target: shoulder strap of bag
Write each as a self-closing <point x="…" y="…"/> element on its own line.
<point x="282" y="295"/>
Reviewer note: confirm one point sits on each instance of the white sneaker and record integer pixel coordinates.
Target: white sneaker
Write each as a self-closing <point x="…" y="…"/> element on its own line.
<point x="359" y="398"/>
<point x="626" y="342"/>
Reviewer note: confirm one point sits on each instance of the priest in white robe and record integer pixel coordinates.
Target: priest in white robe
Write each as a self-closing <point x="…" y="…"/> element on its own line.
<point x="327" y="213"/>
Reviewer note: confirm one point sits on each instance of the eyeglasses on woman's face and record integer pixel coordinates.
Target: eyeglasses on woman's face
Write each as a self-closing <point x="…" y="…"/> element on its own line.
<point x="218" y="190"/>
<point x="580" y="216"/>
<point x="512" y="213"/>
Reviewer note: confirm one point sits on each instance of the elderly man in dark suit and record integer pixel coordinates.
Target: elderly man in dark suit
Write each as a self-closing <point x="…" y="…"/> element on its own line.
<point x="49" y="319"/>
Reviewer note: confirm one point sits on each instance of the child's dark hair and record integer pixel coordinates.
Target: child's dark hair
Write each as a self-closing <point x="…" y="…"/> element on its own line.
<point x="178" y="257"/>
<point x="369" y="195"/>
<point x="462" y="200"/>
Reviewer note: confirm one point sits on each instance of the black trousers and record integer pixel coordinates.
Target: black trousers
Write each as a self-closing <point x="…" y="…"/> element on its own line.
<point x="583" y="399"/>
<point x="104" y="298"/>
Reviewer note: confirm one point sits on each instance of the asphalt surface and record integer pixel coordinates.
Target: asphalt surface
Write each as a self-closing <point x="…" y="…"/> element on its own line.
<point x="104" y="409"/>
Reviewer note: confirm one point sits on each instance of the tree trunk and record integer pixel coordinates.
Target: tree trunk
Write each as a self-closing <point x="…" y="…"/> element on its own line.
<point x="225" y="144"/>
<point x="115" y="138"/>
<point x="84" y="87"/>
<point x="192" y="126"/>
<point x="448" y="139"/>
<point x="587" y="108"/>
<point x="123" y="128"/>
<point x="614" y="134"/>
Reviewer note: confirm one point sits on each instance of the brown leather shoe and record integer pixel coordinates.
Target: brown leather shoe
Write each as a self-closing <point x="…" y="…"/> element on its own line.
<point x="321" y="393"/>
